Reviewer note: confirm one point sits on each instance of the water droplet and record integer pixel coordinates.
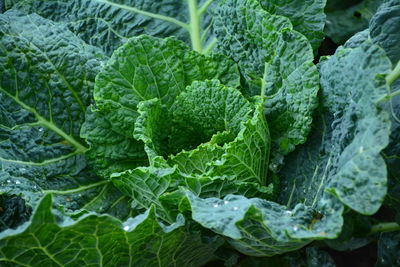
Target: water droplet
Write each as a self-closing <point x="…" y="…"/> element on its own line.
<point x="22" y="169"/>
<point x="288" y="212"/>
<point x="361" y="150"/>
<point x="226" y="202"/>
<point x="17" y="182"/>
<point x="34" y="187"/>
<point x="40" y="129"/>
<point x="8" y="181"/>
<point x="215" y="206"/>
<point x="235" y="208"/>
<point x="295" y="228"/>
<point x="126" y="228"/>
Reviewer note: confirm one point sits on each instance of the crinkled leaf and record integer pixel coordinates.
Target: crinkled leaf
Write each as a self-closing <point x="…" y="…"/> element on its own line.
<point x="47" y="74"/>
<point x="344" y="21"/>
<point x="258" y="227"/>
<point x="225" y="110"/>
<point x="342" y="157"/>
<point x="102" y="240"/>
<point x="384" y="28"/>
<point x="108" y="23"/>
<point x="276" y="59"/>
<point x="142" y="69"/>
<point x="307" y="17"/>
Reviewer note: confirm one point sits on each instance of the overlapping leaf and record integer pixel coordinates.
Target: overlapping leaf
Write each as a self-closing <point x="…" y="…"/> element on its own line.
<point x="102" y="240"/>
<point x="276" y="61"/>
<point x="307" y="17"/>
<point x="144" y="68"/>
<point x="47" y="74"/>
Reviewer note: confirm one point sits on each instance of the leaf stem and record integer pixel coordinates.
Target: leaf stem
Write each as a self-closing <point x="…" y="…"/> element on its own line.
<point x="194" y="26"/>
<point x="146" y="13"/>
<point x="205" y="6"/>
<point x="210" y="46"/>
<point x="385" y="227"/>
<point x="394" y="75"/>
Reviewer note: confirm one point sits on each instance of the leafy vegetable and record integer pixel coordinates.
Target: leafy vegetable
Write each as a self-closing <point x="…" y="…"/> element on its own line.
<point x="176" y="133"/>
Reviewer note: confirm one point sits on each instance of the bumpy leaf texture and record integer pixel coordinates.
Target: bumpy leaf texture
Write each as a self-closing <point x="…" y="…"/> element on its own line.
<point x="307" y="17"/>
<point x="45" y="86"/>
<point x="340" y="165"/>
<point x="276" y="61"/>
<point x="102" y="240"/>
<point x="109" y="24"/>
<point x="143" y="69"/>
<point x="345" y="18"/>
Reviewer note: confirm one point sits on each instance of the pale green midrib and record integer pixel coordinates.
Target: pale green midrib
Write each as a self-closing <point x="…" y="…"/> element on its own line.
<point x="146" y="13"/>
<point x="264" y="80"/>
<point x="42" y="163"/>
<point x="75" y="190"/>
<point x="194" y="26"/>
<point x="385" y="227"/>
<point x="205" y="6"/>
<point x="390" y="79"/>
<point x="49" y="125"/>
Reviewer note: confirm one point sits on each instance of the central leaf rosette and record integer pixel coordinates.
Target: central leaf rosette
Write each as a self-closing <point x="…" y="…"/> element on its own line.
<point x="167" y="116"/>
<point x="210" y="130"/>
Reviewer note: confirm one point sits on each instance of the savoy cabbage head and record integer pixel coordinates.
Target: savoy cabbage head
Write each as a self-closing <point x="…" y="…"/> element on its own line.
<point x="176" y="133"/>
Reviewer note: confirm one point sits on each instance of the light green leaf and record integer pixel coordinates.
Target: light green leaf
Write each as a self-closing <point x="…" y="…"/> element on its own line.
<point x="307" y="16"/>
<point x="243" y="155"/>
<point x="342" y="157"/>
<point x="102" y="240"/>
<point x="276" y="61"/>
<point x="142" y="69"/>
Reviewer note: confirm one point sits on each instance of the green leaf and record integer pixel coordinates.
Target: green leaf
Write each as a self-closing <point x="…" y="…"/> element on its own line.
<point x="102" y="24"/>
<point x="108" y="24"/>
<point x="342" y="156"/>
<point x="276" y="61"/>
<point x="145" y="185"/>
<point x="47" y="74"/>
<point x="344" y="21"/>
<point x="384" y="28"/>
<point x="243" y="157"/>
<point x="307" y="17"/>
<point x="142" y="69"/>
<point x="257" y="227"/>
<point x="389" y="250"/>
<point x="102" y="240"/>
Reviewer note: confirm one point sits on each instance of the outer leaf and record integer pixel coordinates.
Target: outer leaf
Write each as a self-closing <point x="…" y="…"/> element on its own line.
<point x="343" y="156"/>
<point x="104" y="25"/>
<point x="349" y="18"/>
<point x="275" y="59"/>
<point x="258" y="227"/>
<point x="307" y="16"/>
<point x="45" y="85"/>
<point x="102" y="240"/>
<point x="389" y="250"/>
<point x="144" y="68"/>
<point x="384" y="28"/>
